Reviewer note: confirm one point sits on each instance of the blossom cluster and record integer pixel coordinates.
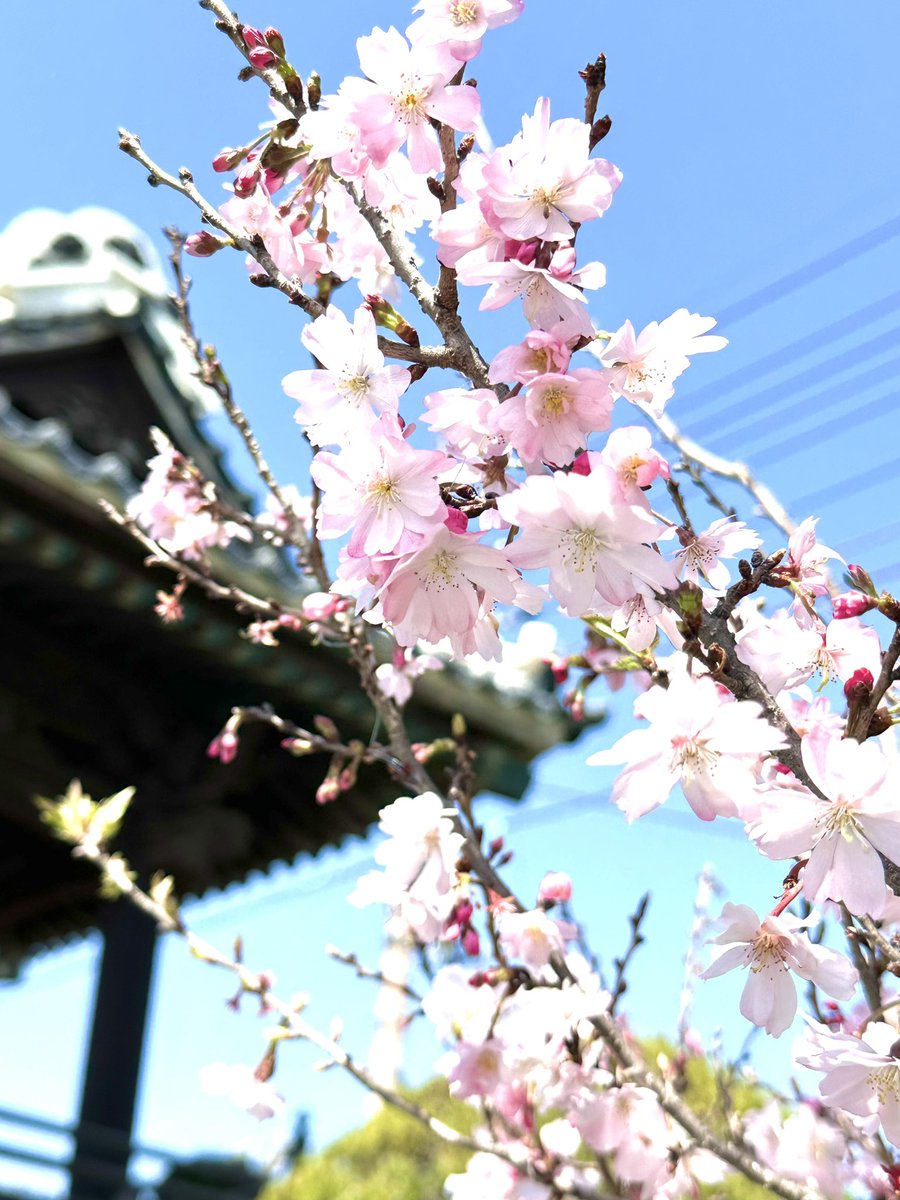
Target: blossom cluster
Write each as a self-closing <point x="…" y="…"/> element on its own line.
<point x="532" y="488"/>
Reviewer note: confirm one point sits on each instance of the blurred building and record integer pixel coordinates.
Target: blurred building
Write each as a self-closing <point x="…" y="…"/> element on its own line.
<point x="94" y="686"/>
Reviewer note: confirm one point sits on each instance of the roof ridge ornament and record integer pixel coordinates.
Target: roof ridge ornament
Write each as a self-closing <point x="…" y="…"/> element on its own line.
<point x="91" y="260"/>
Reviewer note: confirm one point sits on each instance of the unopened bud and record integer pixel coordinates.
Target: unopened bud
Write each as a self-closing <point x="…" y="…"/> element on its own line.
<point x="245" y="182"/>
<point x="471" y="943"/>
<point x="274" y="40"/>
<point x="858" y="687"/>
<point x="851" y="604"/>
<point x="458" y="726"/>
<point x="262" y="57"/>
<point x="252" y="36"/>
<point x="326" y="728"/>
<point x="599" y="130"/>
<point x="556" y="888"/>
<point x="327" y="791"/>
<point x="203" y="244"/>
<point x="861" y="579"/>
<point x="314" y="89"/>
<point x="229" y="158"/>
<point x="297" y="746"/>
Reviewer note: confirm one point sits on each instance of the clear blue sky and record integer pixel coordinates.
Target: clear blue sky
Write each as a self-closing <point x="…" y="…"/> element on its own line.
<point x="759" y="149"/>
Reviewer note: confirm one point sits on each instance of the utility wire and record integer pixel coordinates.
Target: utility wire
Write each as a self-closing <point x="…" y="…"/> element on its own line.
<point x="809" y="377"/>
<point x="700" y="398"/>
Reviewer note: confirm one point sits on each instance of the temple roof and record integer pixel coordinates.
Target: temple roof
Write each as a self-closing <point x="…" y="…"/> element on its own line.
<point x="94" y="686"/>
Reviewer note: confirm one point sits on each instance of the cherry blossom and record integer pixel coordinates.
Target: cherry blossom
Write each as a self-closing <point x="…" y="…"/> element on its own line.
<point x="651" y="361"/>
<point x="554" y="415"/>
<point x="772" y="948"/>
<point x="177" y="508"/>
<point x="406" y="88"/>
<point x="419" y="861"/>
<point x="862" y="1075"/>
<point x="594" y="543"/>
<point x="353" y="387"/>
<point x="698" y="738"/>
<point x="385" y="492"/>
<point x="842" y="829"/>
<point x="448" y="588"/>
<point x="396" y="678"/>
<point x="461" y="24"/>
<point x="544" y="181"/>
<point x="703" y="554"/>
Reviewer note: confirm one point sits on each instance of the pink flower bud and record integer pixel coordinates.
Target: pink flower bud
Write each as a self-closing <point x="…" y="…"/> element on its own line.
<point x="559" y="667"/>
<point x="464" y="911"/>
<point x="224" y="747"/>
<point x="582" y="464"/>
<point x="327" y="791"/>
<point x="456" y="521"/>
<point x="471" y="943"/>
<point x="858" y="687"/>
<point x="262" y="57"/>
<point x="252" y="37"/>
<point x="556" y="888"/>
<point x="524" y="252"/>
<point x="202" y="244"/>
<point x="245" y="181"/>
<point x="562" y="264"/>
<point x="228" y="158"/>
<point x="851" y="604"/>
<point x="319" y="606"/>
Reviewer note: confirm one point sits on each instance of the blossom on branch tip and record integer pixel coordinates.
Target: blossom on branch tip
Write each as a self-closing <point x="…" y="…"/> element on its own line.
<point x="651" y="361"/>
<point x="406" y="88"/>
<point x="772" y="949"/>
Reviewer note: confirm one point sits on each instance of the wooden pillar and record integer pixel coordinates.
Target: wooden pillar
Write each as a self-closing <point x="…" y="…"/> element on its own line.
<point x="103" y="1137"/>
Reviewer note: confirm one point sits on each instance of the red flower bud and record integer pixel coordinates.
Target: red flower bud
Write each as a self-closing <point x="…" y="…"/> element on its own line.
<point x="228" y="158"/>
<point x="471" y="943"/>
<point x="858" y="687"/>
<point x="252" y="37"/>
<point x="262" y="57"/>
<point x="851" y="604"/>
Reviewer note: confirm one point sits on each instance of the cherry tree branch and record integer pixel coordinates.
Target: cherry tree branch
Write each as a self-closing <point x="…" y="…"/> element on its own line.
<point x="694" y="453"/>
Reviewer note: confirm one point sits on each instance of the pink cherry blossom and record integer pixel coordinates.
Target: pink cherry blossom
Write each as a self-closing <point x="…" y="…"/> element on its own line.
<point x="544" y="180"/>
<point x="419" y="861"/>
<point x="353" y="387"/>
<point x="772" y="948"/>
<point x="386" y="493"/>
<point x="702" y="554"/>
<point x="699" y="738"/>
<point x="531" y="938"/>
<point x="461" y="24"/>
<point x="396" y="678"/>
<point x="862" y="1075"/>
<point x="539" y="353"/>
<point x="177" y="508"/>
<point x="447" y="589"/>
<point x="785" y="654"/>
<point x="630" y="454"/>
<point x="592" y="541"/>
<point x="843" y="829"/>
<point x="553" y="296"/>
<point x="651" y="361"/>
<point x="554" y="415"/>
<point x="406" y="88"/>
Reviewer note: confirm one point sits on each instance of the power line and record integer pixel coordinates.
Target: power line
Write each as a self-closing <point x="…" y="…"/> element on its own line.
<point x="809" y="377"/>
<point x="776" y="451"/>
<point x="787" y="355"/>
<point x="864" y="481"/>
<point x="798" y="278"/>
